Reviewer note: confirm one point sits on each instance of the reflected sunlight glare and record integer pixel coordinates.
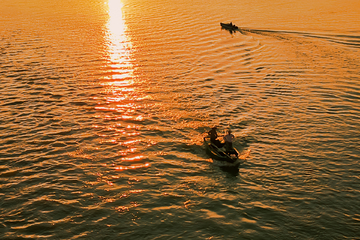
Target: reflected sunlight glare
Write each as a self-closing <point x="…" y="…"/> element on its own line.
<point x="118" y="43"/>
<point x="120" y="92"/>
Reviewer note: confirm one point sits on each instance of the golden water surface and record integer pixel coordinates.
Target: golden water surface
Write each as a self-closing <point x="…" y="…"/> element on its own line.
<point x="104" y="105"/>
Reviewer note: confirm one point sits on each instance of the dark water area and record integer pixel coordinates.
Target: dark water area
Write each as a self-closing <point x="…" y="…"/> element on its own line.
<point x="104" y="106"/>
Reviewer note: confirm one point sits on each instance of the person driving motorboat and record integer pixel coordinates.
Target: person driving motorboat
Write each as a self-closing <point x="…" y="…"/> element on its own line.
<point x="213" y="137"/>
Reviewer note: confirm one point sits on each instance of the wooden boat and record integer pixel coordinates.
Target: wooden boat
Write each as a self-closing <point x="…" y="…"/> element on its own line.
<point x="229" y="26"/>
<point x="221" y="157"/>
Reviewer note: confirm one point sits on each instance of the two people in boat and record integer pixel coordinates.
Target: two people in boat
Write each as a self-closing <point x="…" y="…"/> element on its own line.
<point x="233" y="25"/>
<point x="228" y="138"/>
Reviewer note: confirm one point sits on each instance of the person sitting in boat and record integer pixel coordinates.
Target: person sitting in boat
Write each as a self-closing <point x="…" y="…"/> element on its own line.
<point x="213" y="138"/>
<point x="228" y="138"/>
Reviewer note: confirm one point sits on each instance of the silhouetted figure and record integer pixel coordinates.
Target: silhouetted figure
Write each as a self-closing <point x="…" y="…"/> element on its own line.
<point x="213" y="138"/>
<point x="229" y="137"/>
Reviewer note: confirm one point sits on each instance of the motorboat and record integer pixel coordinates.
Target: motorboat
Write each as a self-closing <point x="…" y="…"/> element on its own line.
<point x="223" y="158"/>
<point x="229" y="26"/>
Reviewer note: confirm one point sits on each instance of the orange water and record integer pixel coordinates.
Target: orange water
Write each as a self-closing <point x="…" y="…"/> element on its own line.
<point x="104" y="105"/>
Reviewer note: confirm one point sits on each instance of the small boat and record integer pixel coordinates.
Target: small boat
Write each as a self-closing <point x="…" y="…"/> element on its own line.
<point x="221" y="157"/>
<point x="229" y="26"/>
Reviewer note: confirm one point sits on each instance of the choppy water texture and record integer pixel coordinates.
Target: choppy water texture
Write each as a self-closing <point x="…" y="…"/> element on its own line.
<point x="104" y="105"/>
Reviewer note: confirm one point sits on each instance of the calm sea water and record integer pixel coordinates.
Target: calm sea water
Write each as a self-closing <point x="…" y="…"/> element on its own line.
<point x="104" y="104"/>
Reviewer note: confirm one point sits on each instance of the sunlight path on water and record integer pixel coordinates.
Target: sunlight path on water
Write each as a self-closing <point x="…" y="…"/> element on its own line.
<point x="118" y="42"/>
<point x="118" y="101"/>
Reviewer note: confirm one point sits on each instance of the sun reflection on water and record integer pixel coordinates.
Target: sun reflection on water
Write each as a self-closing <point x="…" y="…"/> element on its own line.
<point x="121" y="101"/>
<point x="118" y="43"/>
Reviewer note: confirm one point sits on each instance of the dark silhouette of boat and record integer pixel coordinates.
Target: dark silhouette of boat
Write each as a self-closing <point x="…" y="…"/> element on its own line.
<point x="229" y="26"/>
<point x="222" y="158"/>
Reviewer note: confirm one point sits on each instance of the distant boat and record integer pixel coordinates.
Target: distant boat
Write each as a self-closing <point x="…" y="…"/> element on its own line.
<point x="229" y="26"/>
